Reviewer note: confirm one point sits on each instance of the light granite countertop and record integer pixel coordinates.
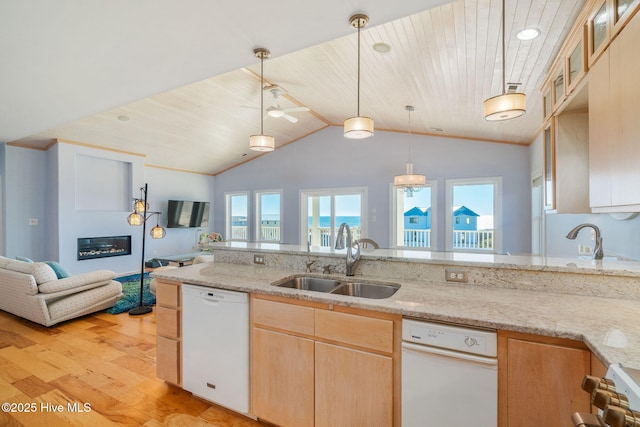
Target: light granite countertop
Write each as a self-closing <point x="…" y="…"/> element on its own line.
<point x="609" y="326"/>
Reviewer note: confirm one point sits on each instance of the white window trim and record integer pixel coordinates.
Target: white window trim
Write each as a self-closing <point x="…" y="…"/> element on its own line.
<point x="497" y="211"/>
<point x="304" y="207"/>
<point x="227" y="220"/>
<point x="258" y="214"/>
<point x="393" y="229"/>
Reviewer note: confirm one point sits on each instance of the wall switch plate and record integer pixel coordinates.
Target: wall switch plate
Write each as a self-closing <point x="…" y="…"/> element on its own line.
<point x="258" y="259"/>
<point x="33" y="221"/>
<point x="453" y="275"/>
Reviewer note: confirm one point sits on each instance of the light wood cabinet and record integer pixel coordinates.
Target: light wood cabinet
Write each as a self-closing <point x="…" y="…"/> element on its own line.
<point x="322" y="365"/>
<point x="598" y="30"/>
<point x="539" y="380"/>
<point x="571" y="162"/>
<point x="168" y="332"/>
<point x="282" y="378"/>
<point x="614" y="126"/>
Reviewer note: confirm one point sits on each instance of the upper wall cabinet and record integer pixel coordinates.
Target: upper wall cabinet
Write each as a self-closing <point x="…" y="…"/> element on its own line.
<point x="614" y="126"/>
<point x="547" y="106"/>
<point x="598" y="33"/>
<point x="576" y="65"/>
<point x="558" y="92"/>
<point x="623" y="10"/>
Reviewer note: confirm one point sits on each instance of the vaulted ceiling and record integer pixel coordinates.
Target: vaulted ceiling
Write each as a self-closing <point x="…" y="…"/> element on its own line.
<point x="178" y="82"/>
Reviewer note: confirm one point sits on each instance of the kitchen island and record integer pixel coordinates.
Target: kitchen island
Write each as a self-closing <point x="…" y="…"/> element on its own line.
<point x="572" y="307"/>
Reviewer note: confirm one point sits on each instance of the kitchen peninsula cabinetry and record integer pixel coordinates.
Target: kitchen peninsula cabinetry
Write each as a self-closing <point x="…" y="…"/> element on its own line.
<point x="168" y="331"/>
<point x="614" y="127"/>
<point x="539" y="379"/>
<point x="318" y="365"/>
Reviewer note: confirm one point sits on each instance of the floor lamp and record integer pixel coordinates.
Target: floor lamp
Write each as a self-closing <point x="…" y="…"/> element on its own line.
<point x="140" y="216"/>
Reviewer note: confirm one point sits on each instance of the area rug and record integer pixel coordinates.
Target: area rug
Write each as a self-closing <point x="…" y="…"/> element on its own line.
<point x="131" y="293"/>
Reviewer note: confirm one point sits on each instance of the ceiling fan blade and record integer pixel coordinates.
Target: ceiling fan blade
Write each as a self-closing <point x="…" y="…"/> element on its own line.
<point x="295" y="109"/>
<point x="290" y="118"/>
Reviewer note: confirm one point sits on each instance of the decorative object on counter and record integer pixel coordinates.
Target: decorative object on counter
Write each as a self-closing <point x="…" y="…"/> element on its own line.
<point x="358" y="127"/>
<point x="140" y="216"/>
<point x="207" y="238"/>
<point x="409" y="181"/>
<point x="508" y="105"/>
<point x="262" y="142"/>
<point x="598" y="253"/>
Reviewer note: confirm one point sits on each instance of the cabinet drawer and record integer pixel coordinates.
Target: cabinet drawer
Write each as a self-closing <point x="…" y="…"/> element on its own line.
<point x="287" y="317"/>
<point x="168" y="295"/>
<point x="167" y="322"/>
<point x="168" y="359"/>
<point x="374" y="334"/>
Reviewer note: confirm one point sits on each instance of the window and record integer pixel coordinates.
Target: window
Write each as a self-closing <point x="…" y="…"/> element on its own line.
<point x="323" y="211"/>
<point x="413" y="214"/>
<point x="237" y="213"/>
<point x="268" y="216"/>
<point x="473" y="214"/>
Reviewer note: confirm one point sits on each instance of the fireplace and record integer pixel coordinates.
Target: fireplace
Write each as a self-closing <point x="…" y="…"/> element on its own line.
<point x="102" y="247"/>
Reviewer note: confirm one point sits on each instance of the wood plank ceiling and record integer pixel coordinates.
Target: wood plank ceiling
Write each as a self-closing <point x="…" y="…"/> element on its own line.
<point x="445" y="61"/>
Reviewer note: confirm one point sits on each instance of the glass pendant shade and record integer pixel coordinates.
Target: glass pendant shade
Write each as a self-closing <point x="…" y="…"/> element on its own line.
<point x="409" y="179"/>
<point x="262" y="142"/>
<point x="139" y="206"/>
<point x="135" y="219"/>
<point x="505" y="107"/>
<point x="358" y="127"/>
<point x="158" y="232"/>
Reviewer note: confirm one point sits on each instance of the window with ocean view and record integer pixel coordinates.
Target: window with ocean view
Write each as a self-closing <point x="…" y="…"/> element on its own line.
<point x="324" y="210"/>
<point x="237" y="213"/>
<point x="414" y="212"/>
<point x="473" y="214"/>
<point x="269" y="216"/>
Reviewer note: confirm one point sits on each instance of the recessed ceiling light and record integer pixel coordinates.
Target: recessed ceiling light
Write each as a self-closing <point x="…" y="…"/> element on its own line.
<point x="528" y="34"/>
<point x="381" y="47"/>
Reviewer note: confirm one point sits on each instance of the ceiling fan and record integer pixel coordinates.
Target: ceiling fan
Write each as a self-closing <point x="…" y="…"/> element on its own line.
<point x="277" y="111"/>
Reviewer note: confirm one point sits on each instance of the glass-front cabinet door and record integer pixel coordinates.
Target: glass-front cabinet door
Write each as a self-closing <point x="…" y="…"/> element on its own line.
<point x="622" y="12"/>
<point x="576" y="69"/>
<point x="546" y="96"/>
<point x="549" y="166"/>
<point x="558" y="88"/>
<point x="598" y="30"/>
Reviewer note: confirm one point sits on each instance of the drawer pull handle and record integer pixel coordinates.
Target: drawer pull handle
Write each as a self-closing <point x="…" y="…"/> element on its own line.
<point x="211" y="385"/>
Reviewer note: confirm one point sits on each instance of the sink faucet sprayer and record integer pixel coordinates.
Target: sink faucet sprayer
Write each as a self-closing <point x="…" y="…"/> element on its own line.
<point x="598" y="253"/>
<point x="352" y="258"/>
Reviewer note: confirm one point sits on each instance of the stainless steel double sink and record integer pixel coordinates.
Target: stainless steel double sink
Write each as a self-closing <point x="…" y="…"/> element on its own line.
<point x="355" y="288"/>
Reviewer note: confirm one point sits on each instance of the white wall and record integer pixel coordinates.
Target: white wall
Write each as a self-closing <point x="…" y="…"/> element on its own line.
<point x="326" y="159"/>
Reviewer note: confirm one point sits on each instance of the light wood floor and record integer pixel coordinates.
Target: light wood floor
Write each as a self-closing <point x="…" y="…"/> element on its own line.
<point x="104" y="360"/>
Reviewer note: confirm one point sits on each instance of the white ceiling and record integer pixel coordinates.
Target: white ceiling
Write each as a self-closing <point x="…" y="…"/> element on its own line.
<point x="71" y="68"/>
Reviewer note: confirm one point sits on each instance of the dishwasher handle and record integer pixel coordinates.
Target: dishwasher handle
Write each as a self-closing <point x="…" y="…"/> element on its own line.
<point x="416" y="348"/>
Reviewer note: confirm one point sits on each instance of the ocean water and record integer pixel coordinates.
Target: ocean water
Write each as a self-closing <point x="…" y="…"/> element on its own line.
<point x="352" y="221"/>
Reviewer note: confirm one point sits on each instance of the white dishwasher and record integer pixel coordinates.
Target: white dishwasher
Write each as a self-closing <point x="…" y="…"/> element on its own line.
<point x="449" y="376"/>
<point x="215" y="345"/>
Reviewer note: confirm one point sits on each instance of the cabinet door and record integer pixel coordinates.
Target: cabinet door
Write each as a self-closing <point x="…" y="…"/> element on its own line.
<point x="625" y="91"/>
<point x="168" y="359"/>
<point x="600" y="133"/>
<point x="282" y="384"/>
<point x="353" y="388"/>
<point x="544" y="383"/>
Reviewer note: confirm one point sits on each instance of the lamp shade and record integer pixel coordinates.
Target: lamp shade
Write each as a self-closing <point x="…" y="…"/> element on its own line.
<point x="139" y="206"/>
<point x="358" y="127"/>
<point x="135" y="219"/>
<point x="504" y="107"/>
<point x="158" y="232"/>
<point x="262" y="143"/>
<point x="409" y="180"/>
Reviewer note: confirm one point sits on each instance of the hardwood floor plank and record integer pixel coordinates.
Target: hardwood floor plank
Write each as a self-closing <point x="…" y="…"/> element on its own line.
<point x="105" y="360"/>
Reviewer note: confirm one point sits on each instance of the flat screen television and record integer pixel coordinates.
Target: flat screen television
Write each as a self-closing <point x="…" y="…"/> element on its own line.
<point x="185" y="214"/>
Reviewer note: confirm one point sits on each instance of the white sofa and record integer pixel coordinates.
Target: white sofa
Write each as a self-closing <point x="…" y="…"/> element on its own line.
<point x="33" y="291"/>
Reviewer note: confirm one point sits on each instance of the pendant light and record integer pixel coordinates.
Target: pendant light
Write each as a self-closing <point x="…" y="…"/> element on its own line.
<point x="358" y="127"/>
<point x="262" y="142"/>
<point x="409" y="181"/>
<point x="508" y="105"/>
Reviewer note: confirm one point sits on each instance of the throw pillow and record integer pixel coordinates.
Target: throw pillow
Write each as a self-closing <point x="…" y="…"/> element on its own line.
<point x="24" y="259"/>
<point x="58" y="269"/>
